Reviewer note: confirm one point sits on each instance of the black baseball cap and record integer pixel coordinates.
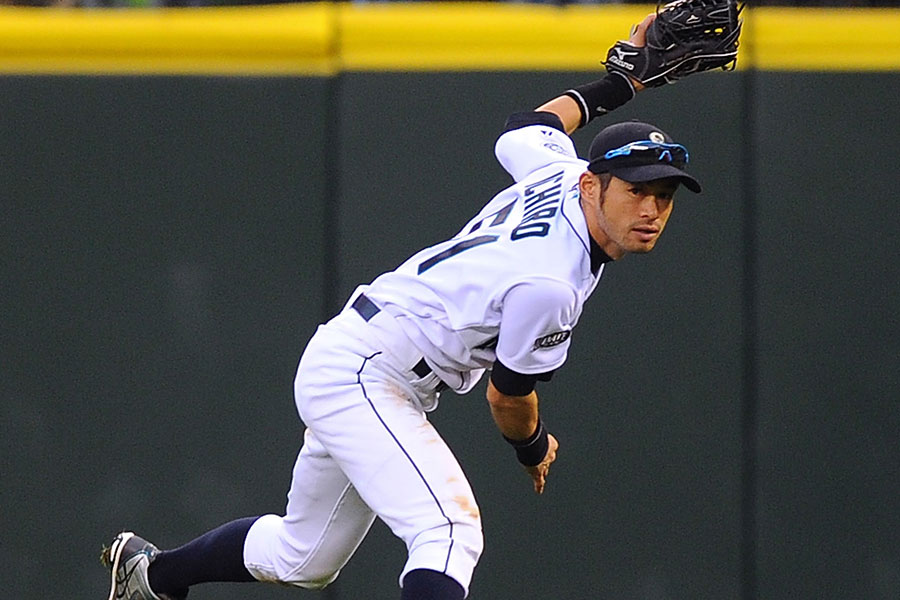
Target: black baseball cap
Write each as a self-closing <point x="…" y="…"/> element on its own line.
<point x="637" y="152"/>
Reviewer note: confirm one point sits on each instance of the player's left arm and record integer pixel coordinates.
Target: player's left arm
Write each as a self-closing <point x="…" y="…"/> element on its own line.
<point x="518" y="420"/>
<point x="533" y="342"/>
<point x="578" y="106"/>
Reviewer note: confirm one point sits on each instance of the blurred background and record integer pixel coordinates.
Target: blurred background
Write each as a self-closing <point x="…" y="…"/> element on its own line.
<point x="187" y="193"/>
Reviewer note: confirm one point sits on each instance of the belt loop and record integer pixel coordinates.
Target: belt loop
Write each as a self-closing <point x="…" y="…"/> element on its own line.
<point x="422" y="369"/>
<point x="365" y="307"/>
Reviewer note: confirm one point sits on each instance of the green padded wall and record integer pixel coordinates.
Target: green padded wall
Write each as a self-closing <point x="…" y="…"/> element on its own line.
<point x="170" y="243"/>
<point x="645" y="499"/>
<point x="163" y="268"/>
<point x="829" y="291"/>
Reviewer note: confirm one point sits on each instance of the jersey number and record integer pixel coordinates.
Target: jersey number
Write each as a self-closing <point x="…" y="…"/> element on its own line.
<point x="499" y="217"/>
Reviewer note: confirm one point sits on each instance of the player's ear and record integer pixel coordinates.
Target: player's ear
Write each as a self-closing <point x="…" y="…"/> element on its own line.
<point x="589" y="186"/>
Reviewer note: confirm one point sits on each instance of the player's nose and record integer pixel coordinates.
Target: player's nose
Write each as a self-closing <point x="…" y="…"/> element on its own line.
<point x="649" y="206"/>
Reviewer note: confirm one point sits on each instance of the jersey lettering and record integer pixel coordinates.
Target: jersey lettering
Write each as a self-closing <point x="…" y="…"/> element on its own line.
<point x="545" y="213"/>
<point x="530" y="230"/>
<point x="543" y="189"/>
<point x="541" y="202"/>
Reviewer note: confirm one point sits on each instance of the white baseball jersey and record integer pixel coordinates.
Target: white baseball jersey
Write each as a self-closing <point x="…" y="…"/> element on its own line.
<point x="511" y="284"/>
<point x="508" y="288"/>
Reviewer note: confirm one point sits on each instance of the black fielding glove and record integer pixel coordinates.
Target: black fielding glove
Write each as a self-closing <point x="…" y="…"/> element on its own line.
<point x="687" y="36"/>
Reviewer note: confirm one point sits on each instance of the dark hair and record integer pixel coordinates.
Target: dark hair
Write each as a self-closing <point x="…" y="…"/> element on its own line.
<point x="604" y="178"/>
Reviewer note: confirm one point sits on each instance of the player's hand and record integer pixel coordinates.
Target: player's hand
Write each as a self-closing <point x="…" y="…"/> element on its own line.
<point x="539" y="472"/>
<point x="638" y="39"/>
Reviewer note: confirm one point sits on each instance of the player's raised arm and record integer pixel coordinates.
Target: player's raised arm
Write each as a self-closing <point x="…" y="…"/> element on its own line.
<point x="683" y="38"/>
<point x="578" y="106"/>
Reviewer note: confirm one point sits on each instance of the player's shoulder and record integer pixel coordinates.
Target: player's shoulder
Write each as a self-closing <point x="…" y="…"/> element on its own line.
<point x="533" y="140"/>
<point x="538" y="131"/>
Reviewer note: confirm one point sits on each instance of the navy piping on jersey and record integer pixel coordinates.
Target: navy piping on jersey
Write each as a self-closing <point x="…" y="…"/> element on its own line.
<point x="405" y="453"/>
<point x="596" y="254"/>
<point x="523" y="119"/>
<point x="562" y="209"/>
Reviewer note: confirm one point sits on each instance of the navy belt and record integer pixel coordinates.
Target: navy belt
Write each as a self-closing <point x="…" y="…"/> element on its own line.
<point x="368" y="309"/>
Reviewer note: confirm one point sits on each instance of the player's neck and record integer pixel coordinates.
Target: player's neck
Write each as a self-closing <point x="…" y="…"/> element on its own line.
<point x="599" y="257"/>
<point x="599" y="238"/>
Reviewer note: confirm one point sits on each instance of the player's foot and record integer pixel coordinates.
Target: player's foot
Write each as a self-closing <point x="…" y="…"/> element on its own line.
<point x="128" y="558"/>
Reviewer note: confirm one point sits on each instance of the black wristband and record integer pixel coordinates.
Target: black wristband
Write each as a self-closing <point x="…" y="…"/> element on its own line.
<point x="531" y="451"/>
<point x="599" y="97"/>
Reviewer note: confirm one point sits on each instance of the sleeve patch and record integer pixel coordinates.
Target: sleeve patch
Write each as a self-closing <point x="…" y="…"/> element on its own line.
<point x="552" y="339"/>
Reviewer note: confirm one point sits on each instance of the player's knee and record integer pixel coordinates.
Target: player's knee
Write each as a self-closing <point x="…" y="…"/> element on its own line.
<point x="311" y="574"/>
<point x="310" y="581"/>
<point x="301" y="580"/>
<point x="271" y="555"/>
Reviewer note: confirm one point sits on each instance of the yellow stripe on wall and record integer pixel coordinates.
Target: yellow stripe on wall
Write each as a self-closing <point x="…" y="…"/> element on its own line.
<point x="283" y="39"/>
<point x="324" y="38"/>
<point x="793" y="39"/>
<point x="486" y="36"/>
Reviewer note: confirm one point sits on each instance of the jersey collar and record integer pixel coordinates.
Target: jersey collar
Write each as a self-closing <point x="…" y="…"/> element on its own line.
<point x="598" y="256"/>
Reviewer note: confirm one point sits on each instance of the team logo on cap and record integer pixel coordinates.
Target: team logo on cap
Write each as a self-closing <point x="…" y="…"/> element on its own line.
<point x="657" y="137"/>
<point x="553" y="339"/>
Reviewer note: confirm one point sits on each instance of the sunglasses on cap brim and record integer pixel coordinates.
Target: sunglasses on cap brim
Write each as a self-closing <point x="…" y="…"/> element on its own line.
<point x="675" y="154"/>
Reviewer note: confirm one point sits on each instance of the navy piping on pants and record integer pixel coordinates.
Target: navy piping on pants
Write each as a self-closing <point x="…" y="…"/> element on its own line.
<point x="405" y="453"/>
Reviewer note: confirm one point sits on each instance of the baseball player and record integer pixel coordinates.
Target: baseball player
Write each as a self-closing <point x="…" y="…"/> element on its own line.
<point x="503" y="295"/>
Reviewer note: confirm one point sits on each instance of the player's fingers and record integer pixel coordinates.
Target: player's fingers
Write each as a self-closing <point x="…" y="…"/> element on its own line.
<point x="544" y="472"/>
<point x="538" y="474"/>
<point x="552" y="449"/>
<point x="638" y="36"/>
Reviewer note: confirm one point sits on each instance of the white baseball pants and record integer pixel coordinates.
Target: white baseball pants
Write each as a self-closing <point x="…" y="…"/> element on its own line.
<point x="369" y="451"/>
